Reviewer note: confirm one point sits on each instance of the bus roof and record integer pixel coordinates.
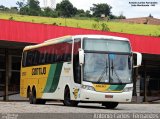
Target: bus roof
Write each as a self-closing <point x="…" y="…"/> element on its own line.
<point x="101" y="36"/>
<point x="65" y="38"/>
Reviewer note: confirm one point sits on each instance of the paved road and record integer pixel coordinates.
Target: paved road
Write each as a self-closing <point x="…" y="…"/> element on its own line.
<point x="57" y="107"/>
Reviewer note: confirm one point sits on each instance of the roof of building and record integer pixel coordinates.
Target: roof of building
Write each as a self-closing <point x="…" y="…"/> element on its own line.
<point x="37" y="33"/>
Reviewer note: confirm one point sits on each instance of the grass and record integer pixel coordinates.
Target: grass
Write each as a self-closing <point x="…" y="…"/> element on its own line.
<point x="140" y="29"/>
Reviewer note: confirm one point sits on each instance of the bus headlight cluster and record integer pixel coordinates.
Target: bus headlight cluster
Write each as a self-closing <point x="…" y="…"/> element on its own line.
<point x="88" y="87"/>
<point x="127" y="89"/>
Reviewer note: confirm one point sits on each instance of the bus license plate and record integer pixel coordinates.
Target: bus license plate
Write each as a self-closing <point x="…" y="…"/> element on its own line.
<point x="108" y="96"/>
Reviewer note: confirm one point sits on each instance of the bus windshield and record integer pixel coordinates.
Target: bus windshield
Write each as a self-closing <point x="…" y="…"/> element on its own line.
<point x="114" y="66"/>
<point x="106" y="45"/>
<point x="107" y="68"/>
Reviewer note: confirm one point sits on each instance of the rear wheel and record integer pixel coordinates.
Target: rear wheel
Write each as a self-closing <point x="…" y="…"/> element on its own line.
<point x="33" y="100"/>
<point x="110" y="105"/>
<point x="32" y="97"/>
<point x="67" y="99"/>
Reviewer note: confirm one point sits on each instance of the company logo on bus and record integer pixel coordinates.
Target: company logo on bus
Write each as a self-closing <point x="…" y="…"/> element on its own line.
<point x="39" y="71"/>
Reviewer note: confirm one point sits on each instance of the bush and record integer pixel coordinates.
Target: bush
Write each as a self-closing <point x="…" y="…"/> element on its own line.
<point x="11" y="18"/>
<point x="104" y="27"/>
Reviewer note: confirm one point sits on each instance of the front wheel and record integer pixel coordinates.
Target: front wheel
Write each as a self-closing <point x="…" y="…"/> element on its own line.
<point x="110" y="105"/>
<point x="67" y="99"/>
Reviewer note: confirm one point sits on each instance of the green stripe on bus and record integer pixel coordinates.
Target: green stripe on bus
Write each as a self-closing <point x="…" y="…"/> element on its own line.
<point x="113" y="87"/>
<point x="116" y="87"/>
<point x="50" y="78"/>
<point x="120" y="87"/>
<point x="56" y="77"/>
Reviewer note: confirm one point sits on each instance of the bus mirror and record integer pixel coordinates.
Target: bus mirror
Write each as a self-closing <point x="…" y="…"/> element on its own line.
<point x="81" y="56"/>
<point x="139" y="59"/>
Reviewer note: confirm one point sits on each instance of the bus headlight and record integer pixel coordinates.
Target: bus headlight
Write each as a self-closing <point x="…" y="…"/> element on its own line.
<point x="127" y="89"/>
<point x="88" y="87"/>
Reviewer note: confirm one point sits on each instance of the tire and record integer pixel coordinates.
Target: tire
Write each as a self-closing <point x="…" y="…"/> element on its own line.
<point x="110" y="105"/>
<point x="30" y="98"/>
<point x="28" y="92"/>
<point x="34" y="100"/>
<point x="67" y="99"/>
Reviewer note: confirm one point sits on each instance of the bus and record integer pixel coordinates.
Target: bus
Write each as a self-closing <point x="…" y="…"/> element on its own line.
<point x="80" y="68"/>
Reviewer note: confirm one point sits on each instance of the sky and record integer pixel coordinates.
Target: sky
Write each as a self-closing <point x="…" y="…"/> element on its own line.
<point x="118" y="6"/>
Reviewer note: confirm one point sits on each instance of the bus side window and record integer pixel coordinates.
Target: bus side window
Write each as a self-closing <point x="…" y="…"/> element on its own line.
<point x="52" y="55"/>
<point x="76" y="66"/>
<point x="24" y="59"/>
<point x="29" y="61"/>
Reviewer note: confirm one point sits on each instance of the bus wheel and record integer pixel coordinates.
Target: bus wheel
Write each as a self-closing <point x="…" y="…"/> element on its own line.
<point x="110" y="105"/>
<point x="32" y="97"/>
<point x="67" y="99"/>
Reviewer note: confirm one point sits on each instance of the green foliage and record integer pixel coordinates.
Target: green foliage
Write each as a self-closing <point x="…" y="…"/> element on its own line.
<point x="121" y="16"/>
<point x="9" y="10"/>
<point x="3" y="8"/>
<point x="20" y="4"/>
<point x="99" y="9"/>
<point x="82" y="13"/>
<point x="10" y="18"/>
<point x="95" y="26"/>
<point x="32" y="8"/>
<point x="24" y="10"/>
<point x="48" y="12"/>
<point x="104" y="27"/>
<point x="66" y="9"/>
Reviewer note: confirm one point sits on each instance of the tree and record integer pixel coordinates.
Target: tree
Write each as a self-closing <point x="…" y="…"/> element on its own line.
<point x="88" y="14"/>
<point x="48" y="12"/>
<point x="20" y="4"/>
<point x="31" y="8"/>
<point x="99" y="9"/>
<point x="66" y="9"/>
<point x="121" y="16"/>
<point x="24" y="10"/>
<point x="113" y="16"/>
<point x="82" y="13"/>
<point x="34" y="7"/>
<point x="2" y="8"/>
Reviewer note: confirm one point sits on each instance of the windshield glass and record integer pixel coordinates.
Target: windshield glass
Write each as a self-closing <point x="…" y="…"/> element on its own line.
<point x="106" y="45"/>
<point x="120" y="68"/>
<point x="96" y="67"/>
<point x="107" y="68"/>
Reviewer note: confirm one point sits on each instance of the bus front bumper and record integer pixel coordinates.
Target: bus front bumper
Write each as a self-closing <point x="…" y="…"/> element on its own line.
<point x="93" y="96"/>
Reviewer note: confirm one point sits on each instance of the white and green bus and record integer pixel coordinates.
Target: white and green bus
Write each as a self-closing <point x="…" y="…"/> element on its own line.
<point x="81" y="68"/>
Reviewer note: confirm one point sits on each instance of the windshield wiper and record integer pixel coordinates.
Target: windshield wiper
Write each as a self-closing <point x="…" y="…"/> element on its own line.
<point x="104" y="71"/>
<point x="113" y="70"/>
